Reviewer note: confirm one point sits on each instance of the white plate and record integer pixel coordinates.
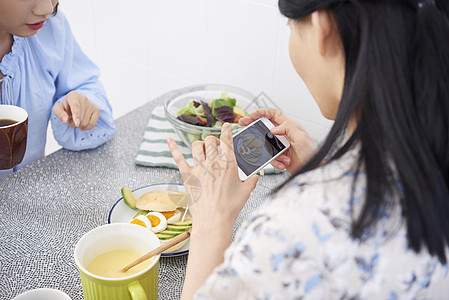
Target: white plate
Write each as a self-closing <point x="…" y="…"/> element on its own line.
<point x="122" y="213"/>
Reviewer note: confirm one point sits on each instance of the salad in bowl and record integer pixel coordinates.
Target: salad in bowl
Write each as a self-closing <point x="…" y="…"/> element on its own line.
<point x="199" y="111"/>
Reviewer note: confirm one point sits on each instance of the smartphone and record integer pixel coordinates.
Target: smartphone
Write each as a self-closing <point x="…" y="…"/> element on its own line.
<point x="255" y="147"/>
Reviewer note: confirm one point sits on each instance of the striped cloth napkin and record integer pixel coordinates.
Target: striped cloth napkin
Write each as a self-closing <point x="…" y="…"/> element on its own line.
<point x="153" y="150"/>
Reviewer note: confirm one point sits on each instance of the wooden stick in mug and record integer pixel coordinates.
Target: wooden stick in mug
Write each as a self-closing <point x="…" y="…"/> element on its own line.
<point x="177" y="239"/>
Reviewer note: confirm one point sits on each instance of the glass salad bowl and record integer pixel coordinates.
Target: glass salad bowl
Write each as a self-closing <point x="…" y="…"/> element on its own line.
<point x="181" y="102"/>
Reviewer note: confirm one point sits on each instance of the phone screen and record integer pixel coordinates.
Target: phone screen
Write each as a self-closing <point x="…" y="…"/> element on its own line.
<point x="255" y="146"/>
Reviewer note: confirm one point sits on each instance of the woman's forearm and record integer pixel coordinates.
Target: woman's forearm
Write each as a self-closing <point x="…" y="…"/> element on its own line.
<point x="206" y="251"/>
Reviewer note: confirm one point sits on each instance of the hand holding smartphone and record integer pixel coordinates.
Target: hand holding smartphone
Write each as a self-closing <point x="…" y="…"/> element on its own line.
<point x="255" y="147"/>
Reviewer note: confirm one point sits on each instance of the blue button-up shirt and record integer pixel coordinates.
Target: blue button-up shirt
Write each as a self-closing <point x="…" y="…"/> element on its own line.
<point x="39" y="72"/>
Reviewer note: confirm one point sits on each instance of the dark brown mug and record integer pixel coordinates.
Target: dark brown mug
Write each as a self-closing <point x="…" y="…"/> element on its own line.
<point x="13" y="135"/>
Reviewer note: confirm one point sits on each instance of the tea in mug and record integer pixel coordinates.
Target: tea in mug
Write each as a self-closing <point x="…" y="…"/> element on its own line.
<point x="6" y="122"/>
<point x="110" y="264"/>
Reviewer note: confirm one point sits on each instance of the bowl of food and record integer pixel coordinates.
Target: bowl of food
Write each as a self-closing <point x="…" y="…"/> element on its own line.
<point x="200" y="110"/>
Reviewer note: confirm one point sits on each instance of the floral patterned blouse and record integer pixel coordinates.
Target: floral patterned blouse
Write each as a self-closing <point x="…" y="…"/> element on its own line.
<point x="298" y="246"/>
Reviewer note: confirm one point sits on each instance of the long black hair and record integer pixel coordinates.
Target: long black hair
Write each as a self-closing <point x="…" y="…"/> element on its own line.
<point x="55" y="10"/>
<point x="396" y="83"/>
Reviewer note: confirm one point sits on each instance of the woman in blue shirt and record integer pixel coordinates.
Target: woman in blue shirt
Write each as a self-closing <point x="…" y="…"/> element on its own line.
<point x="43" y="70"/>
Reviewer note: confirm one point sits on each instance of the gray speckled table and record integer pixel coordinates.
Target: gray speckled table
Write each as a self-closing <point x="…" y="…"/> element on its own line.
<point x="47" y="206"/>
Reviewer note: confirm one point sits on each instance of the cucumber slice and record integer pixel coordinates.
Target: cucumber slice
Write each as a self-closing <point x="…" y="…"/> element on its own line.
<point x="187" y="222"/>
<point x="140" y="213"/>
<point x="162" y="236"/>
<point x="171" y="232"/>
<point x="178" y="228"/>
<point x="129" y="198"/>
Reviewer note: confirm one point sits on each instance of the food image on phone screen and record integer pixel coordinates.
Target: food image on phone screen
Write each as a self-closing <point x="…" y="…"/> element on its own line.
<point x="255" y="146"/>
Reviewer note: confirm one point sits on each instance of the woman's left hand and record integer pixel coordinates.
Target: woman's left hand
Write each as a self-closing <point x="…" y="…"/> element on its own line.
<point x="78" y="111"/>
<point x="217" y="194"/>
<point x="216" y="197"/>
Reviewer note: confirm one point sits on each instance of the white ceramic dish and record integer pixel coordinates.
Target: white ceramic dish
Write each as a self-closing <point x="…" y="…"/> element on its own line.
<point x="43" y="294"/>
<point x="122" y="213"/>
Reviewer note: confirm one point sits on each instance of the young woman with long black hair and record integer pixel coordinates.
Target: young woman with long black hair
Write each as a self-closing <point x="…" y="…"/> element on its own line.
<point x="365" y="216"/>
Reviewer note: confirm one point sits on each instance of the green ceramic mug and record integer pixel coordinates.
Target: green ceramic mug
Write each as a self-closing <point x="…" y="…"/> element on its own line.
<point x="118" y="236"/>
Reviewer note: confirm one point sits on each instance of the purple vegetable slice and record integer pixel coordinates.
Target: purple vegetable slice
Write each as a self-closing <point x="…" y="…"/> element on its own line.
<point x="208" y="112"/>
<point x="224" y="114"/>
<point x="191" y="119"/>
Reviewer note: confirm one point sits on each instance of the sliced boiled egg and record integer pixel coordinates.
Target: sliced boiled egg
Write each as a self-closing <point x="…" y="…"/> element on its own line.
<point x="142" y="221"/>
<point x="172" y="216"/>
<point x="158" y="221"/>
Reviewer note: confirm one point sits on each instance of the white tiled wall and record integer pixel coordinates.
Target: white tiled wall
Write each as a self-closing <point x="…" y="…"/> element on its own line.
<point x="147" y="47"/>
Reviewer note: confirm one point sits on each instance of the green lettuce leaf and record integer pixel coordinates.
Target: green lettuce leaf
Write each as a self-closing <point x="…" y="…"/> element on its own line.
<point x="217" y="103"/>
<point x="187" y="110"/>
